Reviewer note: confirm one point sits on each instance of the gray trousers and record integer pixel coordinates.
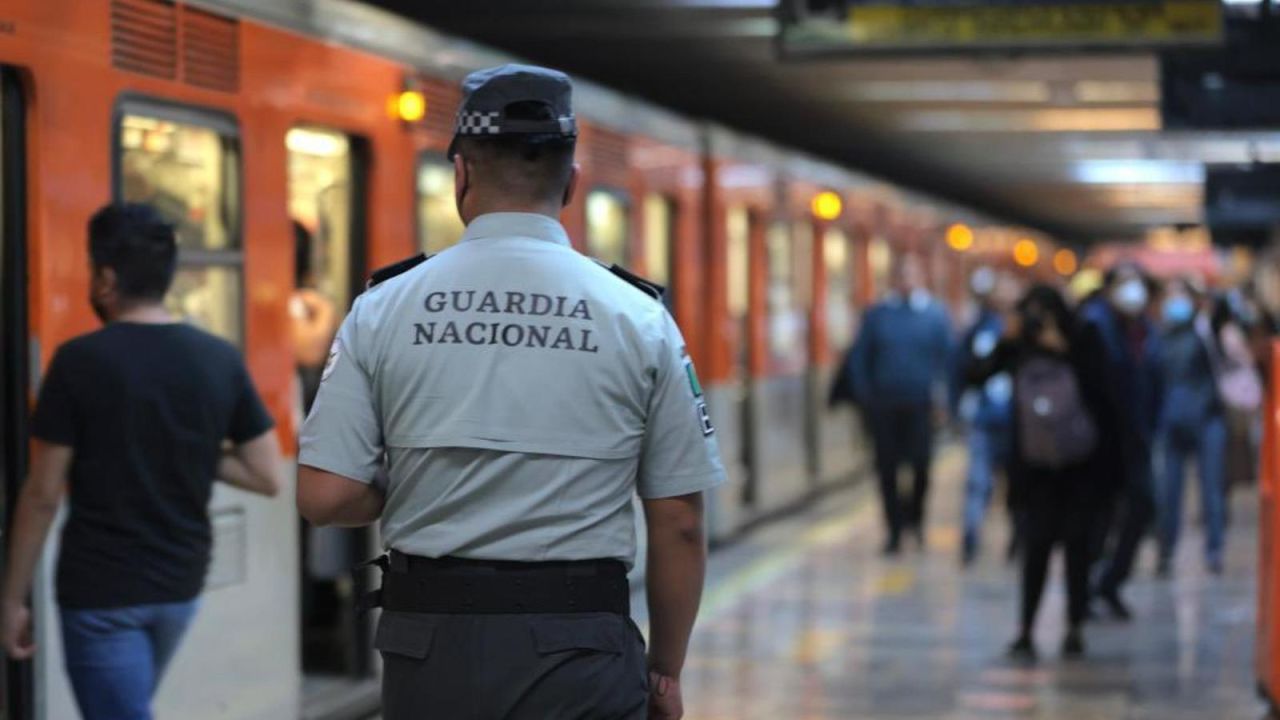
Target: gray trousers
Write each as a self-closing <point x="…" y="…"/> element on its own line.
<point x="588" y="666"/>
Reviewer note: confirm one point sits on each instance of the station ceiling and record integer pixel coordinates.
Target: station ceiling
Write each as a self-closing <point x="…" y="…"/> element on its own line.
<point x="1070" y="144"/>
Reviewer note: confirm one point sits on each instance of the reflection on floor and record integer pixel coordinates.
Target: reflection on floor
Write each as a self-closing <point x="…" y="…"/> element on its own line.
<point x="805" y="620"/>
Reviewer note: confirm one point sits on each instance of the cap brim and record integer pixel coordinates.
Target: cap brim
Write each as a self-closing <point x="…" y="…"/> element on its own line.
<point x="453" y="148"/>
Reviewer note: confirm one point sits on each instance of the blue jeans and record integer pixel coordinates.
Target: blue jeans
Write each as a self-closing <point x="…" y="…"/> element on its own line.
<point x="116" y="656"/>
<point x="1208" y="444"/>
<point x="988" y="452"/>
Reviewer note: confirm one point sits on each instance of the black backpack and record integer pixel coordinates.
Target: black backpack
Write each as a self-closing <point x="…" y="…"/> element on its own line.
<point x="1054" y="425"/>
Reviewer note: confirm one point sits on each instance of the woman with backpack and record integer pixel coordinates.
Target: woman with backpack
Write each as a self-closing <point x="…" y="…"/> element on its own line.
<point x="1056" y="442"/>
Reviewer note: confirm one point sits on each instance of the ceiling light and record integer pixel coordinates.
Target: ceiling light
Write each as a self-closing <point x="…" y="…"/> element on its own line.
<point x="1104" y="91"/>
<point x="1053" y="120"/>
<point x="907" y="91"/>
<point x="1135" y="172"/>
<point x="1026" y="253"/>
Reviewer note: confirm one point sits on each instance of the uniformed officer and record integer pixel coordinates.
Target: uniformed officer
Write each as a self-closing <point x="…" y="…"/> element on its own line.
<point x="518" y="393"/>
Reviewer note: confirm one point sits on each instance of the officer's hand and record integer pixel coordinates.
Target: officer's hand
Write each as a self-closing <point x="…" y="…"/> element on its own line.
<point x="665" y="701"/>
<point x="17" y="631"/>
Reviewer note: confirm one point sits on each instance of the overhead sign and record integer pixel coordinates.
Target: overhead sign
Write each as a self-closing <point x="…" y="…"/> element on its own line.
<point x="814" y="27"/>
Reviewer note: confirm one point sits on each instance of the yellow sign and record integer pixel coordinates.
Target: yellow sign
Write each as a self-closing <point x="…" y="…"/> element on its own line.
<point x="1033" y="24"/>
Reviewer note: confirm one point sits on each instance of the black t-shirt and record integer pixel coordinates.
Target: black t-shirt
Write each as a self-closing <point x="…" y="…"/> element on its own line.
<point x="146" y="409"/>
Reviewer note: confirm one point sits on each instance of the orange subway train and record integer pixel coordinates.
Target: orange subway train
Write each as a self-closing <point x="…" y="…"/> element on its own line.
<point x="297" y="146"/>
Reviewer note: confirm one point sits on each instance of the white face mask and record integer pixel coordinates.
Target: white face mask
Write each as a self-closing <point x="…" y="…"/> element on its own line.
<point x="1130" y="297"/>
<point x="918" y="299"/>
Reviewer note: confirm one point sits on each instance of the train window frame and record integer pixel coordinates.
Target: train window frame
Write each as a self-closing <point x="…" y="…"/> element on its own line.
<point x="227" y="128"/>
<point x="624" y="199"/>
<point x="426" y="157"/>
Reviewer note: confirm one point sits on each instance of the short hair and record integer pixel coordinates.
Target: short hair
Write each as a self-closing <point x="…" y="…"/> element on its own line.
<point x="527" y="166"/>
<point x="136" y="242"/>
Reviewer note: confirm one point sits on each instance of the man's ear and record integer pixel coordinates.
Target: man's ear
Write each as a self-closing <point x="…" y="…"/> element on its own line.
<point x="103" y="280"/>
<point x="459" y="177"/>
<point x="572" y="188"/>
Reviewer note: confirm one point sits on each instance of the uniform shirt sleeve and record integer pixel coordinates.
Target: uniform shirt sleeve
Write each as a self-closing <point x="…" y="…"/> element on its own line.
<point x="679" y="455"/>
<point x="56" y="419"/>
<point x="342" y="435"/>
<point x="249" y="417"/>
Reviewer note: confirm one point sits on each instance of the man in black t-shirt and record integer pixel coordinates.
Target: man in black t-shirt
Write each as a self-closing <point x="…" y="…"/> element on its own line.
<point x="134" y="422"/>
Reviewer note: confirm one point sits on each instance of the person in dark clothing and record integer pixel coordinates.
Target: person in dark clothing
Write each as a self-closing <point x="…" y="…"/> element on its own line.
<point x="898" y="370"/>
<point x="1128" y="347"/>
<point x="1192" y="424"/>
<point x="131" y="424"/>
<point x="1057" y="442"/>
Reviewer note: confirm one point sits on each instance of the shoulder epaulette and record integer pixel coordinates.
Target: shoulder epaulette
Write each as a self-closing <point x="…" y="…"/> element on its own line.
<point x="648" y="287"/>
<point x="384" y="274"/>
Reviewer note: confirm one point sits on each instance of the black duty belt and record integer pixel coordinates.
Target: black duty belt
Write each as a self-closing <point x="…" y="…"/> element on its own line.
<point x="456" y="586"/>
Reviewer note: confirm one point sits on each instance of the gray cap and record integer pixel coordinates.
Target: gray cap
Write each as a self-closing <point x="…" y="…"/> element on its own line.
<point x="487" y="94"/>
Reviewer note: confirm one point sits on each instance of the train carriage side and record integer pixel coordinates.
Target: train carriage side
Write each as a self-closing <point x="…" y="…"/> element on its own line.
<point x="740" y="197"/>
<point x="235" y="130"/>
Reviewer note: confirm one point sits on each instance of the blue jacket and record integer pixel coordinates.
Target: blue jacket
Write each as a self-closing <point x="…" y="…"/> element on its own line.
<point x="1133" y="380"/>
<point x="902" y="352"/>
<point x="1187" y="379"/>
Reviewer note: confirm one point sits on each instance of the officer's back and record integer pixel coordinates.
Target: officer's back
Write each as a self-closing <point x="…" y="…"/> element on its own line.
<point x="517" y="394"/>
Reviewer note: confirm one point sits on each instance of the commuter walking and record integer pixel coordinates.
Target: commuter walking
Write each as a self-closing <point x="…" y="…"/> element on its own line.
<point x="985" y="406"/>
<point x="1056" y="445"/>
<point x="1129" y="349"/>
<point x="1192" y="424"/>
<point x="519" y="394"/>
<point x="1242" y="335"/>
<point x="898" y="370"/>
<point x="130" y="424"/>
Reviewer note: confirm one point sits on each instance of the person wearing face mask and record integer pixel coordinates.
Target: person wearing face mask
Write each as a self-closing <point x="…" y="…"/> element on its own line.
<point x="985" y="405"/>
<point x="1128" y="351"/>
<point x="1192" y="425"/>
<point x="898" y="369"/>
<point x="1056" y="440"/>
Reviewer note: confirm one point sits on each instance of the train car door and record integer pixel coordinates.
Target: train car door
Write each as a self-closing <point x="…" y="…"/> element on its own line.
<point x="838" y="457"/>
<point x="609" y="226"/>
<point x="738" y="226"/>
<point x="15" y="680"/>
<point x="327" y="172"/>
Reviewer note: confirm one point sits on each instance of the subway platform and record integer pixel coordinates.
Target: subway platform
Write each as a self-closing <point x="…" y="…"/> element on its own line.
<point x="805" y="620"/>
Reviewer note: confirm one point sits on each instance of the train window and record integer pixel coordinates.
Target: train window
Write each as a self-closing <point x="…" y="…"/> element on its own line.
<point x="182" y="170"/>
<point x="880" y="257"/>
<point x="320" y="199"/>
<point x="439" y="226"/>
<point x="802" y="252"/>
<point x="659" y="217"/>
<point x="836" y="256"/>
<point x="737" y="257"/>
<point x="608" y="226"/>
<point x="185" y="164"/>
<point x="786" y="314"/>
<point x="200" y="294"/>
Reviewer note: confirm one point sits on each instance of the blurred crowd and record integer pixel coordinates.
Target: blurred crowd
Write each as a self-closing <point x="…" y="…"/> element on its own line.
<point x="1086" y="411"/>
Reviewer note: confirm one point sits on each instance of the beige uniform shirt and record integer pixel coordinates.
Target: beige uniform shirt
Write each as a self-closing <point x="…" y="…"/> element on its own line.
<point x="520" y="394"/>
